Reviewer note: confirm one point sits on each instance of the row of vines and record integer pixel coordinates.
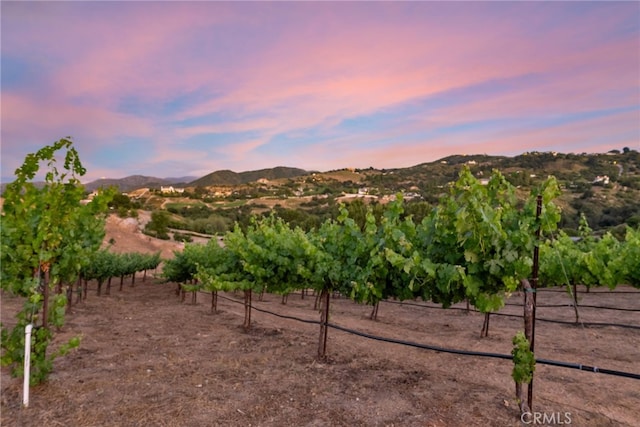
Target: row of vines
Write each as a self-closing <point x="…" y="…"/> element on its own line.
<point x="476" y="245"/>
<point x="590" y="261"/>
<point x="107" y="265"/>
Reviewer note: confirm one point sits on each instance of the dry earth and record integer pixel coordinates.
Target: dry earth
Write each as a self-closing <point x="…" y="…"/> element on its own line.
<point x="149" y="359"/>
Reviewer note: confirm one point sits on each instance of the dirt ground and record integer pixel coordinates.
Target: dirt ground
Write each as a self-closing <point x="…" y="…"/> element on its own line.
<point x="149" y="359"/>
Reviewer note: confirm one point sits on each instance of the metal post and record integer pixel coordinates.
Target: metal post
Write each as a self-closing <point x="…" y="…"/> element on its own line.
<point x="534" y="285"/>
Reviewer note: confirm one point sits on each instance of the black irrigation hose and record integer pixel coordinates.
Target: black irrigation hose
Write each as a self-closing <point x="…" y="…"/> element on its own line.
<point x="564" y="322"/>
<point x="415" y="304"/>
<point x="230" y="299"/>
<point x="561" y="322"/>
<point x="588" y="368"/>
<point x="588" y="292"/>
<point x="422" y="346"/>
<point x="579" y="305"/>
<point x="317" y="322"/>
<point x="581" y="367"/>
<point x="541" y="319"/>
<point x="520" y="305"/>
<point x="486" y="354"/>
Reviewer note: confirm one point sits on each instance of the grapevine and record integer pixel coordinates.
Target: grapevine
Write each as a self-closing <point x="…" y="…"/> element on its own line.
<point x="47" y="236"/>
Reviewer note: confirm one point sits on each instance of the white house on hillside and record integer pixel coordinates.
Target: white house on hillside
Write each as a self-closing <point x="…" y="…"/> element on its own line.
<point x="601" y="180"/>
<point x="170" y="189"/>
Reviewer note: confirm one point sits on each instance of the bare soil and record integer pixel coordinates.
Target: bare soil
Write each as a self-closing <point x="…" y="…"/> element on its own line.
<point x="149" y="359"/>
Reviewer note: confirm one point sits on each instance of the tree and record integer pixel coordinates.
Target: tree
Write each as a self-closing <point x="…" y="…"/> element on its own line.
<point x="120" y="200"/>
<point x="159" y="225"/>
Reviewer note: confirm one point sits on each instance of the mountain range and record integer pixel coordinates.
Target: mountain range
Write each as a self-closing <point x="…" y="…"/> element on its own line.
<point x="217" y="178"/>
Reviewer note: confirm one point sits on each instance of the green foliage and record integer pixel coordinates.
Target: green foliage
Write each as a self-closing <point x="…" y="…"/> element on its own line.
<point x="222" y="270"/>
<point x="159" y="225"/>
<point x="103" y="265"/>
<point x="341" y="254"/>
<point x="477" y="244"/>
<point x="586" y="260"/>
<point x="624" y="258"/>
<point x="214" y="224"/>
<point x="226" y="269"/>
<point x="123" y="205"/>
<point x="197" y="211"/>
<point x="182" y="237"/>
<point x="48" y="235"/>
<point x="524" y="361"/>
<point x="182" y="268"/>
<point x="297" y="218"/>
<point x="390" y="256"/>
<point x="275" y="255"/>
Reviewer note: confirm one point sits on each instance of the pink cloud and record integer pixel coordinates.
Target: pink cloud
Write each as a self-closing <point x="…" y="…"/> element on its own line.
<point x="36" y="118"/>
<point x="308" y="82"/>
<point x="595" y="135"/>
<point x="310" y="66"/>
<point x="234" y="126"/>
<point x="602" y="133"/>
<point x="353" y="69"/>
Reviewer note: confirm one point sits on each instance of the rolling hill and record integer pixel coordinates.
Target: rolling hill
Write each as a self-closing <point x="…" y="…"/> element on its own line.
<point x="134" y="182"/>
<point x="605" y="186"/>
<point x="227" y="177"/>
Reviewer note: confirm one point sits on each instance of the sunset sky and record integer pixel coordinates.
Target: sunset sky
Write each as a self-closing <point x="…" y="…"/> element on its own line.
<point x="170" y="89"/>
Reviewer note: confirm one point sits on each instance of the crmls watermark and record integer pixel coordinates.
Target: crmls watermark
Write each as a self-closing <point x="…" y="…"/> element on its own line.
<point x="546" y="418"/>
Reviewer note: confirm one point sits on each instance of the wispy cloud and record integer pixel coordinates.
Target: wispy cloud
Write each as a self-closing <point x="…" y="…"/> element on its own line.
<point x="191" y="87"/>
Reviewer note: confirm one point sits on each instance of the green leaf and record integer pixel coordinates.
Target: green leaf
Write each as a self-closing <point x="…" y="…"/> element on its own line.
<point x="471" y="257"/>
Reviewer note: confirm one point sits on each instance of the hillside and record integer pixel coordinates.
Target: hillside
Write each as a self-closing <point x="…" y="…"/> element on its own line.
<point x="227" y="177"/>
<point x="124" y="235"/>
<point x="605" y="187"/>
<point x="134" y="182"/>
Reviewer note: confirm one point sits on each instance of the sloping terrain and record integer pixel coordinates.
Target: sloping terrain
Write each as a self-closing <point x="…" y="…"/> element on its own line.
<point x="227" y="177"/>
<point x="124" y="235"/>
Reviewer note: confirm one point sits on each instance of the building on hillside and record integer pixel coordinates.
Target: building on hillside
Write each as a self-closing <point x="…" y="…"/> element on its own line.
<point x="170" y="189"/>
<point x="604" y="180"/>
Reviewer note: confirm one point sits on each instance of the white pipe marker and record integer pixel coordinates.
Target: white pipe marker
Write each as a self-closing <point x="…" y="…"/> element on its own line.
<point x="27" y="364"/>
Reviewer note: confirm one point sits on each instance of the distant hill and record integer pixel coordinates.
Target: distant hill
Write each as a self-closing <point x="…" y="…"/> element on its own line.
<point x="134" y="182"/>
<point x="605" y="187"/>
<point x="222" y="177"/>
<point x="227" y="177"/>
